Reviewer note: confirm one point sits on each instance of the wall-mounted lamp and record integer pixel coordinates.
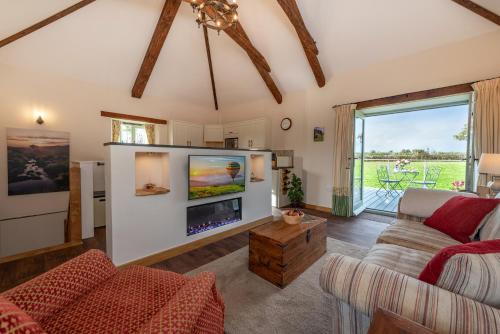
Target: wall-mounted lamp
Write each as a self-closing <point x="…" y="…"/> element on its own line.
<point x="40" y="120"/>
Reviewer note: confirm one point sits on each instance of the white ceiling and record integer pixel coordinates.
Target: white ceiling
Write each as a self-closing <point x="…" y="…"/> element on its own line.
<point x="104" y="43"/>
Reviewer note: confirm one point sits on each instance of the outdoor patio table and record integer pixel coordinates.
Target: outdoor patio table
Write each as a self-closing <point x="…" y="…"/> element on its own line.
<point x="407" y="177"/>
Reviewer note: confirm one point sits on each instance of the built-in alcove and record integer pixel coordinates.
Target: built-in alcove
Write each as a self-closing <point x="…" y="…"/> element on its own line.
<point x="257" y="168"/>
<point x="152" y="173"/>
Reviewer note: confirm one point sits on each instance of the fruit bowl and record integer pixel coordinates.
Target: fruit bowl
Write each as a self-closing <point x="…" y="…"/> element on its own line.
<point x="293" y="216"/>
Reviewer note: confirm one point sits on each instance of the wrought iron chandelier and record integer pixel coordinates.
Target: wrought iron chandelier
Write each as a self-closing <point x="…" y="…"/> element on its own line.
<point x="216" y="14"/>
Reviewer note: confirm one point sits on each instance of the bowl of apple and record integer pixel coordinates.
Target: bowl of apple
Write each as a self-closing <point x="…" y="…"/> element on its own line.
<point x="293" y="216"/>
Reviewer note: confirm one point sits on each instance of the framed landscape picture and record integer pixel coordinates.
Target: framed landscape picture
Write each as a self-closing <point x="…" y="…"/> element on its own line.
<point x="38" y="161"/>
<point x="319" y="134"/>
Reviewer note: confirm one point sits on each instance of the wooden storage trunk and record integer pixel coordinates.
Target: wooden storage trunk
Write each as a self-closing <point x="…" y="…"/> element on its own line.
<point x="280" y="252"/>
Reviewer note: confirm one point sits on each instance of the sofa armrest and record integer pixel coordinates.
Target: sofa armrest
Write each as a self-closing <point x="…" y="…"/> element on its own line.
<point x="366" y="287"/>
<point x="196" y="308"/>
<point x="48" y="293"/>
<point x="418" y="204"/>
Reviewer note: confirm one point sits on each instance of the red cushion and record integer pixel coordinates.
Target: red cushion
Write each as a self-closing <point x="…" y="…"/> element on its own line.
<point x="460" y="216"/>
<point x="433" y="269"/>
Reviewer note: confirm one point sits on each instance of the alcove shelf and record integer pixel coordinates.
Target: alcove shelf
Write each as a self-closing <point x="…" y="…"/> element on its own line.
<point x="152" y="173"/>
<point x="257" y="168"/>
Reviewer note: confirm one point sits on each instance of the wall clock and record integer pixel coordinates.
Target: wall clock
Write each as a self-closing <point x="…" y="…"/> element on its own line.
<point x="286" y="124"/>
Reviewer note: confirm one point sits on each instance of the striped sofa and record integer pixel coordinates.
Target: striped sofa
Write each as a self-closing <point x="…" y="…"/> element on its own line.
<point x="387" y="277"/>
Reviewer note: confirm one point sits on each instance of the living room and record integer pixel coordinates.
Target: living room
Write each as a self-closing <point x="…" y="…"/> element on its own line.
<point x="245" y="188"/>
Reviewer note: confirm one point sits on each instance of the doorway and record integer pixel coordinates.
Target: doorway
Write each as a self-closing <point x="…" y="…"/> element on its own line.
<point x="422" y="144"/>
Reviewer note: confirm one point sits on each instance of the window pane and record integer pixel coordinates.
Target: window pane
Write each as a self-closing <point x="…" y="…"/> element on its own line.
<point x="140" y="135"/>
<point x="126" y="134"/>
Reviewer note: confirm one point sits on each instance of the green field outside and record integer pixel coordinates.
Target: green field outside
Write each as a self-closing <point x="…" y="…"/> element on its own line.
<point x="451" y="171"/>
<point x="210" y="191"/>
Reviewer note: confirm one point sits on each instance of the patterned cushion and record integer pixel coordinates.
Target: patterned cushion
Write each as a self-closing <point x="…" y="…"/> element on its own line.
<point x="196" y="308"/>
<point x="476" y="276"/>
<point x="15" y="321"/>
<point x="121" y="305"/>
<point x="55" y="290"/>
<point x="491" y="228"/>
<point x="417" y="236"/>
<point x="403" y="260"/>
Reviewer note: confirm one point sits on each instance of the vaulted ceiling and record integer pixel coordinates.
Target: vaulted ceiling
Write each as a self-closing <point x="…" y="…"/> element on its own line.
<point x="105" y="42"/>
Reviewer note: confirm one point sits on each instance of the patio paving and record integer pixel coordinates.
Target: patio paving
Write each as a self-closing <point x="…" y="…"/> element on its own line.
<point x="381" y="202"/>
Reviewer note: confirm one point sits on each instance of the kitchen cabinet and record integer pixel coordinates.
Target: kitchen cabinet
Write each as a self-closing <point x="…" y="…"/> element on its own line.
<point x="185" y="134"/>
<point x="213" y="133"/>
<point x="252" y="134"/>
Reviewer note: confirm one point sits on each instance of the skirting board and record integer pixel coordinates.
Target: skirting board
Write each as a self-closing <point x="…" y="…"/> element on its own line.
<point x="39" y="251"/>
<point x="318" y="208"/>
<point x="173" y="252"/>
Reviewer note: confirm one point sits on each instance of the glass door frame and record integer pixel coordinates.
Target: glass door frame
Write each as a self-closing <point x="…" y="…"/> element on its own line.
<point x="358" y="205"/>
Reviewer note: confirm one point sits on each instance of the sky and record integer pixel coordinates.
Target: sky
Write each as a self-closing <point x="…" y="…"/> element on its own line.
<point x="214" y="165"/>
<point x="424" y="129"/>
<point x="27" y="137"/>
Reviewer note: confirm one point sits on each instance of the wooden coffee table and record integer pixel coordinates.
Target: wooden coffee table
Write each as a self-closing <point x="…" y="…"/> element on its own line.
<point x="280" y="252"/>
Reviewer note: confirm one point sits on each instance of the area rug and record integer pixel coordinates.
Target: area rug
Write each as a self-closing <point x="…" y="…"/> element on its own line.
<point x="254" y="305"/>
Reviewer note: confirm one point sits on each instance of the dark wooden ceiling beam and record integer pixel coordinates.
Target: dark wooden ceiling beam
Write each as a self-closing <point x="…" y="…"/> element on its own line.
<point x="238" y="34"/>
<point x="479" y="10"/>
<point x="45" y="22"/>
<point x="157" y="41"/>
<point x="210" y="67"/>
<point x="308" y="43"/>
<point x="415" y="96"/>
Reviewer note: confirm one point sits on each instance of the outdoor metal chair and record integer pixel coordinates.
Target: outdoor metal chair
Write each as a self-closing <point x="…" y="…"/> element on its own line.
<point x="431" y="176"/>
<point x="387" y="184"/>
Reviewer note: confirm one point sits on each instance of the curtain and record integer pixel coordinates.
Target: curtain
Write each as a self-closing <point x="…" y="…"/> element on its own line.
<point x="150" y="132"/>
<point x="342" y="159"/>
<point x="116" y="130"/>
<point x="487" y="120"/>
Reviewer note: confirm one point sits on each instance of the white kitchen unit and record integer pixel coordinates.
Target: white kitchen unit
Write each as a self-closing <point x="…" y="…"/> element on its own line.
<point x="251" y="134"/>
<point x="213" y="133"/>
<point x="182" y="133"/>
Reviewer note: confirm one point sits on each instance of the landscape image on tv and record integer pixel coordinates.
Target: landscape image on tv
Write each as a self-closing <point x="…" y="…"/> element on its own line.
<point x="215" y="175"/>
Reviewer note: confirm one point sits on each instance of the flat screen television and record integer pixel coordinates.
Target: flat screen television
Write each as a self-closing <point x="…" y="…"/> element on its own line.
<point x="215" y="175"/>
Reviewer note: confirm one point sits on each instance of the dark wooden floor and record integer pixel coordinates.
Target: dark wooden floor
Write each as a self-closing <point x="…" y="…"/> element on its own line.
<point x="362" y="230"/>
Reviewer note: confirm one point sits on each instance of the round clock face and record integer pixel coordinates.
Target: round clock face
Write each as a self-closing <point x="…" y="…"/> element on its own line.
<point x="286" y="124"/>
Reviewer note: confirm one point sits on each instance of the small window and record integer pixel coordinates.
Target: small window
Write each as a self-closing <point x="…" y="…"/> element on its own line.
<point x="133" y="133"/>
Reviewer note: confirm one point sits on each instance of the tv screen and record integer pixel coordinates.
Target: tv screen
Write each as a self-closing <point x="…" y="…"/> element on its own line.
<point x="215" y="175"/>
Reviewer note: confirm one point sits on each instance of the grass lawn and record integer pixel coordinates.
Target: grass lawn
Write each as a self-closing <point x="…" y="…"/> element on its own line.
<point x="451" y="171"/>
<point x="210" y="191"/>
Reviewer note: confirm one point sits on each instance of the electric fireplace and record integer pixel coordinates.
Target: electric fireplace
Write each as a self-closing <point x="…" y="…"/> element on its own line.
<point x="205" y="217"/>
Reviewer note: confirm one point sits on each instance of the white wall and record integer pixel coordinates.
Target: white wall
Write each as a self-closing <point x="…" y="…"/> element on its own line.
<point x="467" y="61"/>
<point x="142" y="226"/>
<point x="72" y="106"/>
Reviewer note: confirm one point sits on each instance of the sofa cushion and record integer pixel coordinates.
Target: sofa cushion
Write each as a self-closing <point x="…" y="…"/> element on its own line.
<point x="471" y="270"/>
<point x="424" y="202"/>
<point x="122" y="305"/>
<point x="416" y="235"/>
<point x="407" y="261"/>
<point x="491" y="228"/>
<point x="13" y="320"/>
<point x="460" y="217"/>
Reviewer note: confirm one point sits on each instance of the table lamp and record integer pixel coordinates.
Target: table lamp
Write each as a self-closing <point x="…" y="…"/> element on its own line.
<point x="490" y="164"/>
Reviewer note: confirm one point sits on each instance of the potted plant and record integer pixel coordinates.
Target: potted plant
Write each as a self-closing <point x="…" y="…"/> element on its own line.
<point x="295" y="193"/>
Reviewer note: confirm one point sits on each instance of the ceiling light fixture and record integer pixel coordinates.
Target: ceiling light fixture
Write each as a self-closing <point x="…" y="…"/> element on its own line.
<point x="215" y="14"/>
